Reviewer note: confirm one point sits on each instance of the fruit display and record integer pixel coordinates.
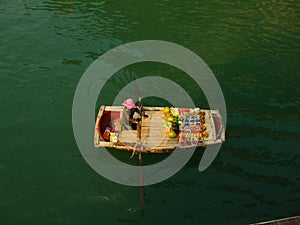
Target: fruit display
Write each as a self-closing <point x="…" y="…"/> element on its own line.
<point x="172" y="134"/>
<point x="187" y="124"/>
<point x="172" y="121"/>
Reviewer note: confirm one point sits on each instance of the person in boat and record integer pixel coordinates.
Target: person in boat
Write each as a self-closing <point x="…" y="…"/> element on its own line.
<point x="128" y="113"/>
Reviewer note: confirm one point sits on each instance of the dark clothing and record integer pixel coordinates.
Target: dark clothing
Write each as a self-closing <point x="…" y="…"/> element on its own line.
<point x="128" y="117"/>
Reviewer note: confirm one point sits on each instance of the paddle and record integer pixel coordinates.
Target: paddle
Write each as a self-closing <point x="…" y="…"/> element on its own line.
<point x="139" y="145"/>
<point x="139" y="96"/>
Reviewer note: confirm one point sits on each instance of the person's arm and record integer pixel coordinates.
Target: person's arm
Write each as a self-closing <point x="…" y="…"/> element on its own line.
<point x="133" y="111"/>
<point x="138" y="111"/>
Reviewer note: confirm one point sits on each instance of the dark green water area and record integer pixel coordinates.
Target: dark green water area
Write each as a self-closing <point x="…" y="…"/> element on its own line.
<point x="253" y="49"/>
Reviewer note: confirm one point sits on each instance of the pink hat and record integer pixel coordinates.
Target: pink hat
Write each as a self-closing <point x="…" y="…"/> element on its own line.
<point x="129" y="103"/>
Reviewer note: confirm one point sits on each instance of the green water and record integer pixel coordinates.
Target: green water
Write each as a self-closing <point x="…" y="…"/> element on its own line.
<point x="253" y="48"/>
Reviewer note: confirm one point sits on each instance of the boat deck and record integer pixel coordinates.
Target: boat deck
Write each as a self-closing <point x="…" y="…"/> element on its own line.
<point x="152" y="135"/>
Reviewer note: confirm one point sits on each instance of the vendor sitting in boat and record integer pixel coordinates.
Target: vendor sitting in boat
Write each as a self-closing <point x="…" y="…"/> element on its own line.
<point x="128" y="112"/>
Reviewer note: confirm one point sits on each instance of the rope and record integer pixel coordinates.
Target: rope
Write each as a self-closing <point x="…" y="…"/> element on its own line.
<point x="142" y="200"/>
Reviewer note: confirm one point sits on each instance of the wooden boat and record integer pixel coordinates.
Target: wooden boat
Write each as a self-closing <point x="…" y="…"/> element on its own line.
<point x="198" y="128"/>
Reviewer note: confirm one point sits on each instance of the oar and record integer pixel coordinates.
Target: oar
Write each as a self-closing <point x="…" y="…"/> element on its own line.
<point x="139" y="145"/>
<point x="141" y="184"/>
<point x="139" y="95"/>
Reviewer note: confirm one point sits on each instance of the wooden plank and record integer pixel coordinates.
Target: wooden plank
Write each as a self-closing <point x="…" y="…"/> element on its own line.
<point x="128" y="136"/>
<point x="286" y="221"/>
<point x="294" y="221"/>
<point x="96" y="132"/>
<point x="149" y="108"/>
<point x="114" y="108"/>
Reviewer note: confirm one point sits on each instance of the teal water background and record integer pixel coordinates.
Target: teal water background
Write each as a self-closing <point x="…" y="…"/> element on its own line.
<point x="253" y="48"/>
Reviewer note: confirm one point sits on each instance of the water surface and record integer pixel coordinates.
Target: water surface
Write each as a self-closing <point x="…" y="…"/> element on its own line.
<point x="253" y="50"/>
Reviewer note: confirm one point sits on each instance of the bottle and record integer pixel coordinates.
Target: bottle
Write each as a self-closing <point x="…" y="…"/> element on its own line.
<point x="106" y="133"/>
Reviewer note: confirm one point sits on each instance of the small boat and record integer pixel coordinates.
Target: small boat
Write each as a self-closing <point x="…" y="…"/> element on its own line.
<point x="153" y="134"/>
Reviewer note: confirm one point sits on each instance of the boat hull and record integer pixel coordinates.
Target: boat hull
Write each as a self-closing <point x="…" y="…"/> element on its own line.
<point x="151" y="136"/>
